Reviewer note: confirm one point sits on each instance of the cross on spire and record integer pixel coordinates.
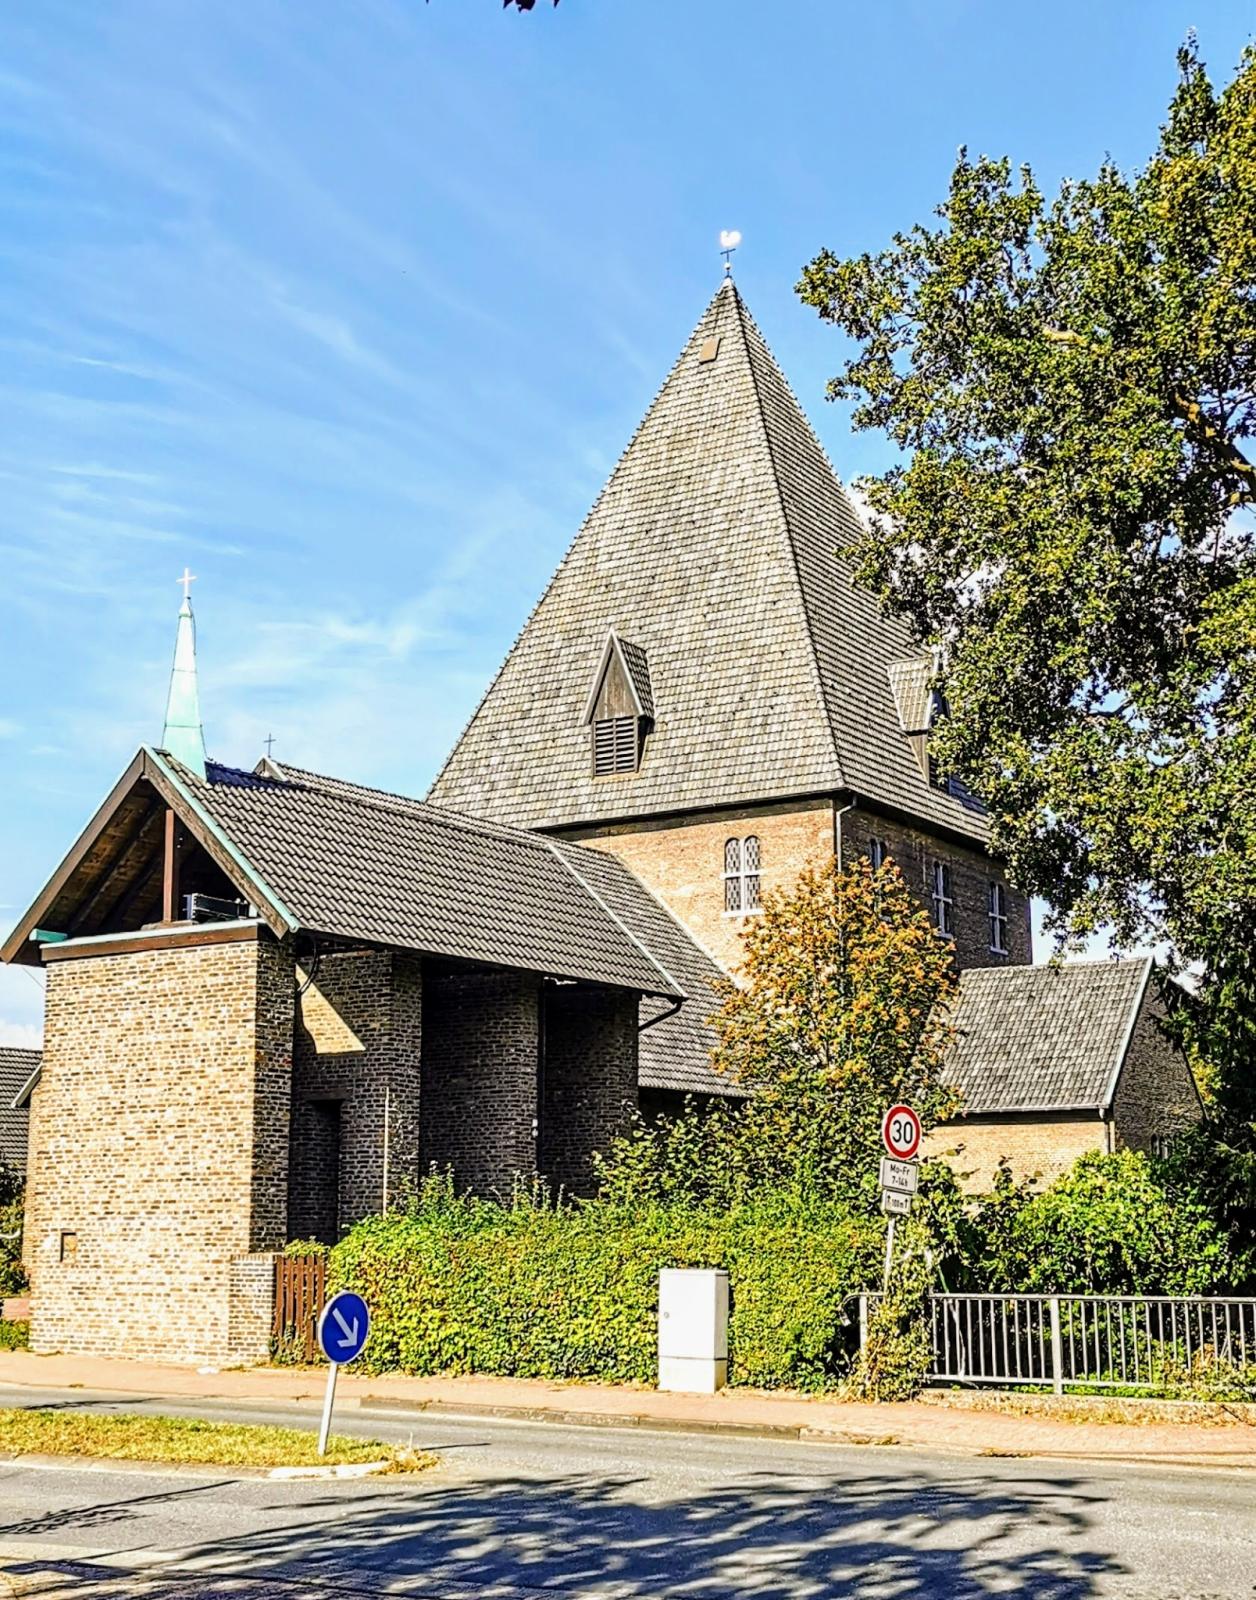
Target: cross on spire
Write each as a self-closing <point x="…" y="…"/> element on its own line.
<point x="187" y="580"/>
<point x="729" y="240"/>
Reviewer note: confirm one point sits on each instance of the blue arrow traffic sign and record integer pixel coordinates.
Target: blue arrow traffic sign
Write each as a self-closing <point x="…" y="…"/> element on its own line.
<point x="343" y="1327"/>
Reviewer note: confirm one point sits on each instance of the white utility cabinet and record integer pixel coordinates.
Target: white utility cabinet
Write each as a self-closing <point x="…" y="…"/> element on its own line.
<point x="693" y="1329"/>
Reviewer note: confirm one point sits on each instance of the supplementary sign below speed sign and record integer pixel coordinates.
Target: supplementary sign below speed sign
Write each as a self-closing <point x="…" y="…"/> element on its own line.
<point x="901" y="1176"/>
<point x="900" y="1132"/>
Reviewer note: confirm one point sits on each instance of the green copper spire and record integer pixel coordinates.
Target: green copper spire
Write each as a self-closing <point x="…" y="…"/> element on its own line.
<point x="183" y="737"/>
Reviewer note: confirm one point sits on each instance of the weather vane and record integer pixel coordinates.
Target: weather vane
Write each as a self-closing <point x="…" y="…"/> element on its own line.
<point x="729" y="240"/>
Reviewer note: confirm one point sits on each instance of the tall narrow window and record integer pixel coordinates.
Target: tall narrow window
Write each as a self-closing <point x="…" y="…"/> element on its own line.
<point x="741" y="874"/>
<point x="878" y="853"/>
<point x="943" y="904"/>
<point x="998" y="919"/>
<point x="614" y="745"/>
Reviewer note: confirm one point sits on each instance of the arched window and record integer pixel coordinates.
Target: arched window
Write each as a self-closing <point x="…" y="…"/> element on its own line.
<point x="741" y="874"/>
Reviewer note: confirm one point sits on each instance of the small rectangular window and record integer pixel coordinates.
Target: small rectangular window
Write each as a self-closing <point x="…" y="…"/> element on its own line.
<point x="741" y="874"/>
<point x="69" y="1246"/>
<point x="943" y="903"/>
<point x="998" y="919"/>
<point x="614" y="746"/>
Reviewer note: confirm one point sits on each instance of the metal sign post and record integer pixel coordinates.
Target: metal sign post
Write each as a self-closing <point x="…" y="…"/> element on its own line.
<point x="900" y="1175"/>
<point x="342" y="1332"/>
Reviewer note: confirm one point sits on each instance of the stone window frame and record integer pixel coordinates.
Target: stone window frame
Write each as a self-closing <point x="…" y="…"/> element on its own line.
<point x="996" y="907"/>
<point x="742" y="877"/>
<point x="878" y="852"/>
<point x="943" y="899"/>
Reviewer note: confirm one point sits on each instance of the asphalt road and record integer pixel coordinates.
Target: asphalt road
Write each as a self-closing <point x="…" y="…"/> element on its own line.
<point x="525" y="1509"/>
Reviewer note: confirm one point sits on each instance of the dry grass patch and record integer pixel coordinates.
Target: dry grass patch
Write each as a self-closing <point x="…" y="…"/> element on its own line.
<point x="127" y="1437"/>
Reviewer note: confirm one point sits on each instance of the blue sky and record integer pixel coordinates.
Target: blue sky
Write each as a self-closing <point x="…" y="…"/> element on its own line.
<point x="352" y="307"/>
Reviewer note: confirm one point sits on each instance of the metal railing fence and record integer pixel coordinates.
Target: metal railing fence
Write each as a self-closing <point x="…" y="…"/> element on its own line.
<point x="1091" y="1341"/>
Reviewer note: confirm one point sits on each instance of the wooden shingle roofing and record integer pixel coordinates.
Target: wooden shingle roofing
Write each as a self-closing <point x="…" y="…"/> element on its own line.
<point x="722" y="548"/>
<point x="1049" y="1038"/>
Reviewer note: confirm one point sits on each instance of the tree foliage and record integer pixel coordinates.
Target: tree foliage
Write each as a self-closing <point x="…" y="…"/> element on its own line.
<point x="839" y="1012"/>
<point x="1072" y="385"/>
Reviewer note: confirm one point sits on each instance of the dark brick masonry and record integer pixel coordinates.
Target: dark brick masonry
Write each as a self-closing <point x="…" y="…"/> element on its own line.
<point x="589" y="1079"/>
<point x="972" y="872"/>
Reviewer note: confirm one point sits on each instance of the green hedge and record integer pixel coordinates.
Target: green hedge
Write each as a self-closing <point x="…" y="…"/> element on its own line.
<point x="15" y="1335"/>
<point x="526" y="1290"/>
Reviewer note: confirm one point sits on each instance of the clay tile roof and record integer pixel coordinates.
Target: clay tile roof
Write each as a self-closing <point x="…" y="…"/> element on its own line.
<point x="674" y="1050"/>
<point x="16" y="1070"/>
<point x="356" y="863"/>
<point x="1048" y="1038"/>
<point x="722" y="546"/>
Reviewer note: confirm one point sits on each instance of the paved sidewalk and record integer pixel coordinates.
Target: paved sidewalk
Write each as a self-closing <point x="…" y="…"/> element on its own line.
<point x="1227" y="1439"/>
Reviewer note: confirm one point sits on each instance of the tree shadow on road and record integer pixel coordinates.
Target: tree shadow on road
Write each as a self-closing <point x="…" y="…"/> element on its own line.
<point x="774" y="1537"/>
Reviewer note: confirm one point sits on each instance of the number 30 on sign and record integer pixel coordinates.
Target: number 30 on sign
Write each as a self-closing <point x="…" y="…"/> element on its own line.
<point x="900" y="1132"/>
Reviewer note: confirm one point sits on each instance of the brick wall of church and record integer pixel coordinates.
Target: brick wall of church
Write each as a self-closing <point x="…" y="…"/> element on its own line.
<point x="480" y="1063"/>
<point x="589" y="1080"/>
<point x="682" y="860"/>
<point x="356" y="1089"/>
<point x="159" y="1147"/>
<point x="972" y="872"/>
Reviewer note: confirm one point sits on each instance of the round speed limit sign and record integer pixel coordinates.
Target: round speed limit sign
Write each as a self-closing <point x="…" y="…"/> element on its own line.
<point x="900" y="1132"/>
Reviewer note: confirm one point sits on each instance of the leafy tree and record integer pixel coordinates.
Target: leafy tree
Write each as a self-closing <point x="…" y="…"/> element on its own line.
<point x="1072" y="385"/>
<point x="838" y="1015"/>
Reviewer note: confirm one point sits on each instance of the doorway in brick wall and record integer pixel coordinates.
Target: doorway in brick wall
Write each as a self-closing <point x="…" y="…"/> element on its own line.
<point x="314" y="1171"/>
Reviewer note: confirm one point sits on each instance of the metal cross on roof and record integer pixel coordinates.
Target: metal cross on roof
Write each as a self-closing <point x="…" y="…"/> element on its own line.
<point x="187" y="580"/>
<point x="269" y="742"/>
<point x="729" y="240"/>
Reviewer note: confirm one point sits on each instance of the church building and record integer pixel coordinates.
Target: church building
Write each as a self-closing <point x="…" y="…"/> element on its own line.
<point x="275" y="998"/>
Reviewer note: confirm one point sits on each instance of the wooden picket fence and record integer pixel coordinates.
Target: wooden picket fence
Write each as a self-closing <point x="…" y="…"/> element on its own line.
<point x="300" y="1293"/>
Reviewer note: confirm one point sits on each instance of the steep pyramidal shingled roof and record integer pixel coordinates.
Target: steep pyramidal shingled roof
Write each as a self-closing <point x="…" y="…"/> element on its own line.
<point x="721" y="548"/>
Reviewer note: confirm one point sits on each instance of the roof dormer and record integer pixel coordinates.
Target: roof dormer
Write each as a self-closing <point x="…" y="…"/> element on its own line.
<point x="919" y="703"/>
<point x="619" y="707"/>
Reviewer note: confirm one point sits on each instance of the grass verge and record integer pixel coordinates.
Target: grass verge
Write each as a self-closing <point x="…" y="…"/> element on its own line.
<point x="127" y="1437"/>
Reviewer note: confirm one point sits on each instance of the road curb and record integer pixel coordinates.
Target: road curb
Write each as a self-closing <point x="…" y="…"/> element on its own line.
<point x="790" y="1433"/>
<point x="190" y="1469"/>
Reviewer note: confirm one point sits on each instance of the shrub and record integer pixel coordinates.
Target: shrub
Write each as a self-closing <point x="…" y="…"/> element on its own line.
<point x="524" y="1289"/>
<point x="1110" y="1225"/>
<point x="894" y="1361"/>
<point x="12" y="1274"/>
<point x="15" y="1335"/>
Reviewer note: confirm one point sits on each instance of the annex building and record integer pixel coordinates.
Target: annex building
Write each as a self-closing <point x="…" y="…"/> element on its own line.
<point x="275" y="998"/>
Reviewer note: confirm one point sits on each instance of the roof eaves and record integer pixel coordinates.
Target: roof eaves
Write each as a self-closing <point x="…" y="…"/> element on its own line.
<point x="161" y="770"/>
<point x="22" y="930"/>
<point x="22" y="1098"/>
